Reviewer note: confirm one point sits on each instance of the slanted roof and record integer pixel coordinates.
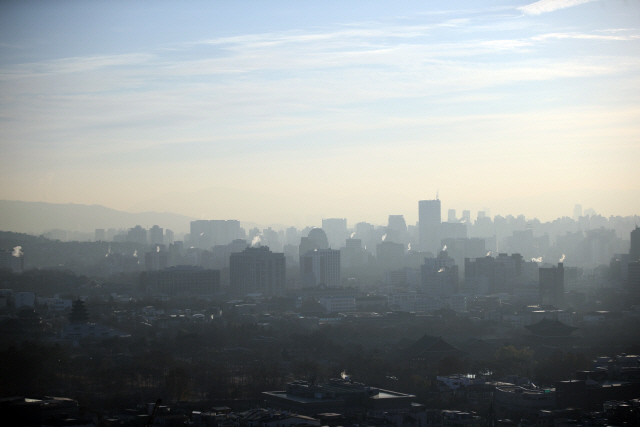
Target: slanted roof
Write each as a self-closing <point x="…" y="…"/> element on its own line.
<point x="431" y="346"/>
<point x="551" y="328"/>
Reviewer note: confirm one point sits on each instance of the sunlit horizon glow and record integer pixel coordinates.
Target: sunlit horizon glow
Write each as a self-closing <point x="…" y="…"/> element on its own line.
<point x="288" y="112"/>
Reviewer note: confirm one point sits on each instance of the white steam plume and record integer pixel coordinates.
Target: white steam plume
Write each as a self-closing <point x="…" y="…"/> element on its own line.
<point x="489" y="253"/>
<point x="409" y="246"/>
<point x="562" y="259"/>
<point x="444" y="248"/>
<point x="256" y="240"/>
<point x="384" y="237"/>
<point x="135" y="253"/>
<point x="17" y="251"/>
<point x="352" y="234"/>
<point x="539" y="259"/>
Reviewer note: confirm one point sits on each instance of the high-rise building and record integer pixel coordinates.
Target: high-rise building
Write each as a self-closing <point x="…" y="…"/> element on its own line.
<point x="634" y="281"/>
<point x="577" y="212"/>
<point x="336" y="229"/>
<point x="466" y="216"/>
<point x="459" y="249"/>
<point x="390" y="255"/>
<point x="320" y="266"/>
<point x="222" y="253"/>
<point x="100" y="235"/>
<point x="208" y="233"/>
<point x="451" y="215"/>
<point x="439" y="276"/>
<point x="634" y="250"/>
<point x="257" y="270"/>
<point x="137" y="235"/>
<point x="397" y="229"/>
<point x="156" y="236"/>
<point x="352" y="254"/>
<point x="157" y="259"/>
<point x="552" y="285"/>
<point x="430" y="218"/>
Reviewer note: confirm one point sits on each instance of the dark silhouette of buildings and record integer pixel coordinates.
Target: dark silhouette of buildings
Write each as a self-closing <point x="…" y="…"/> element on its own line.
<point x="634" y="250"/>
<point x="183" y="280"/>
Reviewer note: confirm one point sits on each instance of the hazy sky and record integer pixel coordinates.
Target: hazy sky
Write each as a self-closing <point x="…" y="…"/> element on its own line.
<point x="292" y="111"/>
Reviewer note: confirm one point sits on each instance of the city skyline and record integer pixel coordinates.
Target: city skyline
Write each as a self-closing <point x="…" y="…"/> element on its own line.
<point x="290" y="113"/>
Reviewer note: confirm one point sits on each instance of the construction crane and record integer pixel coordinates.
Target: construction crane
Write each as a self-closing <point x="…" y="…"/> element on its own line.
<point x="153" y="413"/>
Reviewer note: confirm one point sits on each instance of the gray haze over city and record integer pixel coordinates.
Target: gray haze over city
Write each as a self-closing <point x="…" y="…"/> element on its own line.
<point x="283" y="214"/>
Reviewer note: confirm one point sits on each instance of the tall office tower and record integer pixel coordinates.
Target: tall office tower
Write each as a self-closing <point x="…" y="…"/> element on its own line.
<point x="336" y="229"/>
<point x="257" y="270"/>
<point x="459" y="249"/>
<point x="390" y="255"/>
<point x="156" y="236"/>
<point x="137" y="235"/>
<point x="439" y="276"/>
<point x="157" y="259"/>
<point x="207" y="233"/>
<point x="225" y="231"/>
<point x="634" y="281"/>
<point x="466" y="216"/>
<point x="320" y="266"/>
<point x="505" y="269"/>
<point x="364" y="228"/>
<point x="552" y="285"/>
<point x="634" y="249"/>
<point x="397" y="229"/>
<point x="292" y="236"/>
<point x="352" y="254"/>
<point x="201" y="236"/>
<point x="429" y="216"/>
<point x="577" y="212"/>
<point x="100" y="235"/>
<point x="451" y="215"/>
<point x="270" y="238"/>
<point x="168" y="236"/>
<point x="222" y="253"/>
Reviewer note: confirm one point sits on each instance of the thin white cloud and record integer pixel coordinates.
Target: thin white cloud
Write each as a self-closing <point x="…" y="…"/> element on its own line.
<point x="544" y="6"/>
<point x="585" y="36"/>
<point x="72" y="65"/>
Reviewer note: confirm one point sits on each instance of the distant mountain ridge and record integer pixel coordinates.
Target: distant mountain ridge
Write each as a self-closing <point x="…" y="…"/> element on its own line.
<point x="37" y="217"/>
